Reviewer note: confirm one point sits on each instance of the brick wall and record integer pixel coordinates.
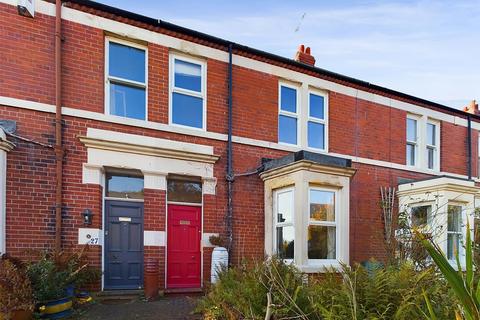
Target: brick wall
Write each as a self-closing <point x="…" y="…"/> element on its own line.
<point x="356" y="127"/>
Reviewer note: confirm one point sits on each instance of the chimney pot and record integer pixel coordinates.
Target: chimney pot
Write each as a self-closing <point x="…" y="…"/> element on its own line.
<point x="472" y="108"/>
<point x="304" y="55"/>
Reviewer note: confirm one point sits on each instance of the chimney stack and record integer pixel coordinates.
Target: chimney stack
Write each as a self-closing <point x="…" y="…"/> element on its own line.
<point x="303" y="55"/>
<point x="472" y="108"/>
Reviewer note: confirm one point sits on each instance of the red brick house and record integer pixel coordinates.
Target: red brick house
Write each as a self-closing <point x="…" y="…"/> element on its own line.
<point x="143" y="139"/>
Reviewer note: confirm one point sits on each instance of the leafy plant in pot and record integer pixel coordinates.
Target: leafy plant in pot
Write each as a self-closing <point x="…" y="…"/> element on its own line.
<point x="16" y="298"/>
<point x="53" y="278"/>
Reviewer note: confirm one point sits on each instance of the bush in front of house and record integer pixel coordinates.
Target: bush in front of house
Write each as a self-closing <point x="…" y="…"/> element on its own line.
<point x="271" y="289"/>
<point x="54" y="272"/>
<point x="15" y="289"/>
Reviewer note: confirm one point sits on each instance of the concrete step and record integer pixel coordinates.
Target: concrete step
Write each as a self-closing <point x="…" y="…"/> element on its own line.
<point x="119" y="296"/>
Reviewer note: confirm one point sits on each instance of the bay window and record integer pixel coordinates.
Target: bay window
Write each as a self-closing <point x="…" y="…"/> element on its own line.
<point x="440" y="207"/>
<point x="126" y="79"/>
<point x="321" y="225"/>
<point x="187" y="92"/>
<point x="454" y="231"/>
<point x="307" y="211"/>
<point x="284" y="227"/>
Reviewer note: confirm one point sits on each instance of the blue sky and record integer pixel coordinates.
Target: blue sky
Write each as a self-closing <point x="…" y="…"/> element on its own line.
<point x="430" y="49"/>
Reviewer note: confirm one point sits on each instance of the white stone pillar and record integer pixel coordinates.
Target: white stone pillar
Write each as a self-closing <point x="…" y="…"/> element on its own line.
<point x="5" y="146"/>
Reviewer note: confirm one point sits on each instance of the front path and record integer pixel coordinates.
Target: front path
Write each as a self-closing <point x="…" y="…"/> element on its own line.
<point x="169" y="307"/>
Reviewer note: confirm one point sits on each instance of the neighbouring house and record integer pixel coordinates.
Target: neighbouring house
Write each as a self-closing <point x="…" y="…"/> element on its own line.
<point x="143" y="139"/>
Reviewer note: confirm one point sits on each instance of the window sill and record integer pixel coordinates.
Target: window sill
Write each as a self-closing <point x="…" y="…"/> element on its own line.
<point x="322" y="267"/>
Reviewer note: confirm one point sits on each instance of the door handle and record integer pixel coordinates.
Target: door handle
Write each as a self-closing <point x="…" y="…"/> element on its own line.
<point x="193" y="257"/>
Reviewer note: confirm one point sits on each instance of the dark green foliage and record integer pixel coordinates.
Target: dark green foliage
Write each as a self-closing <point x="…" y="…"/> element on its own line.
<point x="355" y="293"/>
<point x="53" y="272"/>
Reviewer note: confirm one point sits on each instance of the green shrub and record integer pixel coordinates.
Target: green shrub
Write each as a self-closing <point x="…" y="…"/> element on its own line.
<point x="355" y="293"/>
<point x="54" y="272"/>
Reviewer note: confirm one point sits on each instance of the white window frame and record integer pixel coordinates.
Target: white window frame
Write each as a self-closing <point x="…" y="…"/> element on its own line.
<point x="414" y="143"/>
<point x="461" y="233"/>
<point x="436" y="147"/>
<point x="321" y="262"/>
<point x="421" y="145"/>
<point x="172" y="89"/>
<point x="283" y="224"/>
<point x="478" y="155"/>
<point x="318" y="120"/>
<point x="132" y="83"/>
<point x="295" y="115"/>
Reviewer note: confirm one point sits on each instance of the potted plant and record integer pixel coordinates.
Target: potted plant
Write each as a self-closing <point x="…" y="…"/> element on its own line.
<point x="54" y="278"/>
<point x="16" y="299"/>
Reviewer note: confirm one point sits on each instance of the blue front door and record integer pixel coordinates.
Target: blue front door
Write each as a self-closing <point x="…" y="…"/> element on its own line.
<point x="123" y="245"/>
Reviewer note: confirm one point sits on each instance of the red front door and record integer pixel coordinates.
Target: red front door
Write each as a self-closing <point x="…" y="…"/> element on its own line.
<point x="183" y="246"/>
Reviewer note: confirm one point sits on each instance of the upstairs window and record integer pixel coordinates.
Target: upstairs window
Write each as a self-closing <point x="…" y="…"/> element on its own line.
<point x="316" y="121"/>
<point x="423" y="142"/>
<point x="412" y="129"/>
<point x="187" y="94"/>
<point x="288" y="115"/>
<point x="126" y="78"/>
<point x="432" y="153"/>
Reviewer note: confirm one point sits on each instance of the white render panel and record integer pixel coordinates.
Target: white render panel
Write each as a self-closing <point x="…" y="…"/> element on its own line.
<point x="148" y="163"/>
<point x="90" y="236"/>
<point x="148" y="141"/>
<point x="154" y="238"/>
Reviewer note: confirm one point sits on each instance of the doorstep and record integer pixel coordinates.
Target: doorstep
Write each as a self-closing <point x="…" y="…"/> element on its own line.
<point x="183" y="290"/>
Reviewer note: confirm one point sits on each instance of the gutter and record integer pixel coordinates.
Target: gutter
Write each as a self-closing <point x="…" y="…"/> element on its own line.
<point x="230" y="175"/>
<point x="469" y="147"/>
<point x="252" y="51"/>
<point x="58" y="126"/>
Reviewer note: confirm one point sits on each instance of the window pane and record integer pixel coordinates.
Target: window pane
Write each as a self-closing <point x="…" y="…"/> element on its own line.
<point x="410" y="155"/>
<point x="285" y="237"/>
<point x="431" y="134"/>
<point x="411" y="130"/>
<point x="127" y="101"/>
<point x="421" y="215"/>
<point x="126" y="62"/>
<point x="288" y="99"/>
<point x="287" y="129"/>
<point x="321" y="242"/>
<point x="188" y="75"/>
<point x="317" y="106"/>
<point x="124" y="186"/>
<point x="430" y="157"/>
<point x="453" y="246"/>
<point x="316" y="135"/>
<point x="285" y="207"/>
<point x="322" y="205"/>
<point x="184" y="191"/>
<point x="187" y="110"/>
<point x="454" y="218"/>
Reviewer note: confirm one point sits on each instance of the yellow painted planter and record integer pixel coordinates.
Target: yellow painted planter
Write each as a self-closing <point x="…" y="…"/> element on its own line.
<point x="56" y="309"/>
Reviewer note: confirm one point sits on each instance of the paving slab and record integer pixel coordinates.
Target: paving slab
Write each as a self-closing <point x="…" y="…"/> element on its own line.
<point x="174" y="307"/>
